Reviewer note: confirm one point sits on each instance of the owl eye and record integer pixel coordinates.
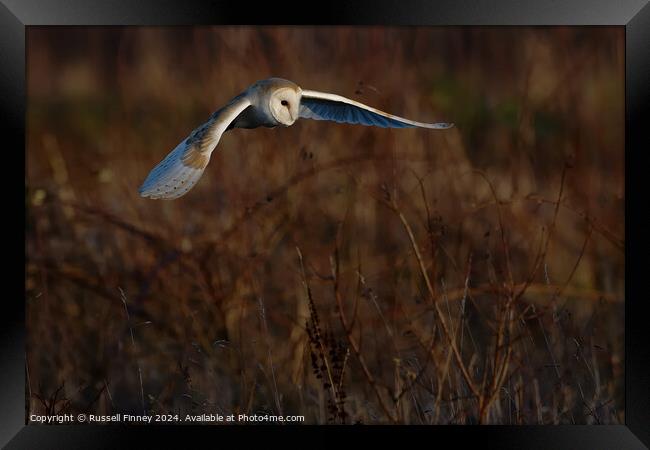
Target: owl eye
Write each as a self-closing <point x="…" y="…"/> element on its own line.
<point x="284" y="103"/>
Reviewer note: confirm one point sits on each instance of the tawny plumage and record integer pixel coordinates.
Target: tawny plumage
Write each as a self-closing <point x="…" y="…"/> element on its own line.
<point x="267" y="103"/>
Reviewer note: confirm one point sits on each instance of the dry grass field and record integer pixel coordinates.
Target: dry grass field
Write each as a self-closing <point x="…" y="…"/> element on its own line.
<point x="345" y="273"/>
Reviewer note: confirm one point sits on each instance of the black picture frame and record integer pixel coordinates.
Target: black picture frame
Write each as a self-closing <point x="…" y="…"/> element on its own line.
<point x="634" y="15"/>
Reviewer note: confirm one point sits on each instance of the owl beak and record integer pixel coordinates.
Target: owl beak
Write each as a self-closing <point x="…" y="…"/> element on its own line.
<point x="291" y="115"/>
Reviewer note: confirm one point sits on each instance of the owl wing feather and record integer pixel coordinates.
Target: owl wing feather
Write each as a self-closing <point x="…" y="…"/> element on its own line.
<point x="181" y="169"/>
<point x="323" y="106"/>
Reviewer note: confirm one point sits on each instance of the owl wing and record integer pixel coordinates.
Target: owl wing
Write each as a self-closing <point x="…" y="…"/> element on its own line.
<point x="324" y="106"/>
<point x="175" y="175"/>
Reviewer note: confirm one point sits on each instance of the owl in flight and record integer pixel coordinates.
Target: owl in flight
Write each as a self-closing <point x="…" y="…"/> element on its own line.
<point x="267" y="103"/>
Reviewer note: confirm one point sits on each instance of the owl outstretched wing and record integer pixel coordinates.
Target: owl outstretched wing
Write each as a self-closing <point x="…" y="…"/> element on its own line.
<point x="175" y="175"/>
<point x="323" y="106"/>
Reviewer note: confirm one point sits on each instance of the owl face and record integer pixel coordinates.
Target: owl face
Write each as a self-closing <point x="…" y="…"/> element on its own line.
<point x="284" y="105"/>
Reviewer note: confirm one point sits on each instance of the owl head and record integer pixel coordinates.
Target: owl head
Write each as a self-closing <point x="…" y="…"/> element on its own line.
<point x="284" y="103"/>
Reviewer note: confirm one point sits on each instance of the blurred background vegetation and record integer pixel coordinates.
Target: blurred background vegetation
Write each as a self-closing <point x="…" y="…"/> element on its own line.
<point x="345" y="273"/>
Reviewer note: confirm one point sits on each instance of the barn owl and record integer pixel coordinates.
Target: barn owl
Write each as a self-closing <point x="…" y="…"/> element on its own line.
<point x="266" y="103"/>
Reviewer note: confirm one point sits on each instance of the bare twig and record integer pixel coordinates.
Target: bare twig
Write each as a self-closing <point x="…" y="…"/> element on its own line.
<point x="128" y="318"/>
